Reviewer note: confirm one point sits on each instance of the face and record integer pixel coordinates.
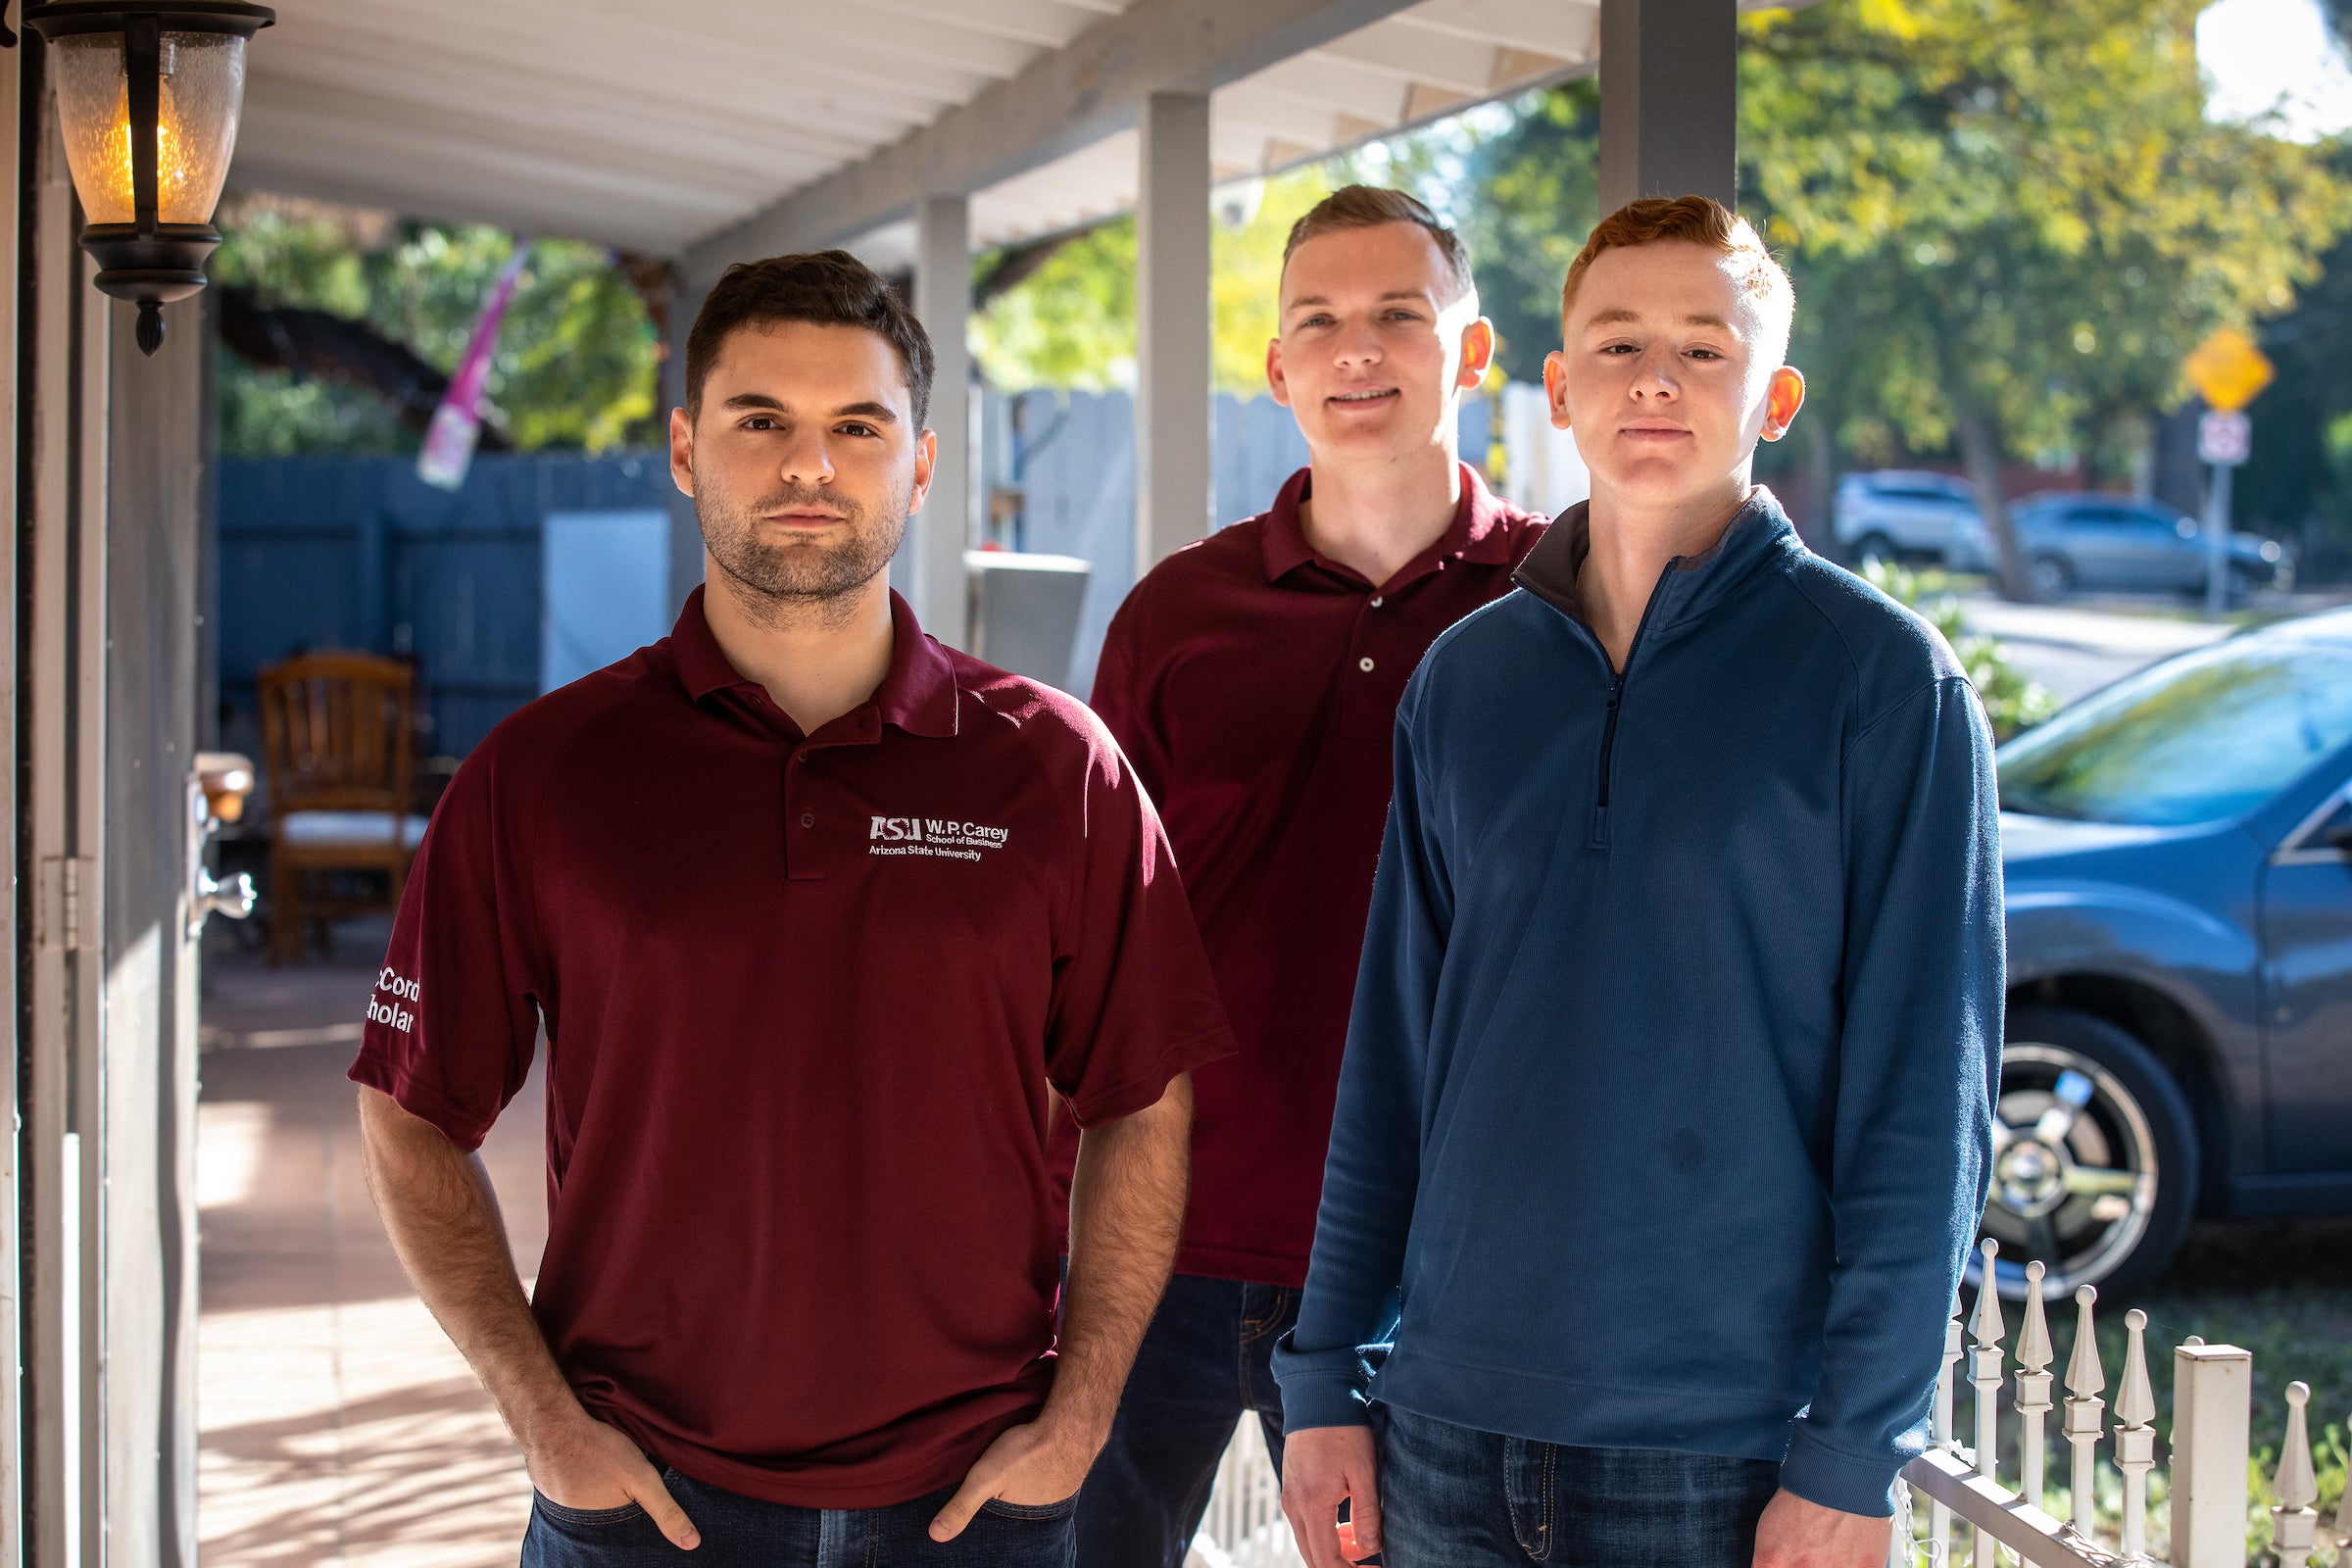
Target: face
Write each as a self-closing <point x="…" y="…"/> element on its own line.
<point x="1668" y="374"/>
<point x="1372" y="356"/>
<point x="803" y="462"/>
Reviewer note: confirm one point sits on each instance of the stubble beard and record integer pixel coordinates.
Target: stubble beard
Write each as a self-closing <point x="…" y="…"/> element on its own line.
<point x="800" y="580"/>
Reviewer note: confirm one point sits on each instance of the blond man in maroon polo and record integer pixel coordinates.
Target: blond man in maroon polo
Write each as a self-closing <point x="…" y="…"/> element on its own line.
<point x="816" y="916"/>
<point x="1253" y="679"/>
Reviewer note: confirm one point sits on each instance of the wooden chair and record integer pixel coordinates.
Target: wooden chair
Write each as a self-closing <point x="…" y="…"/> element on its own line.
<point x="336" y="739"/>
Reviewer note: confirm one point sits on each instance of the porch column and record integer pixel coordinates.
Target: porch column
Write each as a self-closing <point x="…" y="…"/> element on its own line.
<point x="939" y="533"/>
<point x="1172" y="328"/>
<point x="1668" y="96"/>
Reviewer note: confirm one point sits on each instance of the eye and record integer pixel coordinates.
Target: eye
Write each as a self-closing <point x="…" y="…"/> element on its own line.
<point x="1405" y="316"/>
<point x="1703" y="354"/>
<point x="857" y="427"/>
<point x="1317" y="320"/>
<point x="1619" y="349"/>
<point x="761" y="422"/>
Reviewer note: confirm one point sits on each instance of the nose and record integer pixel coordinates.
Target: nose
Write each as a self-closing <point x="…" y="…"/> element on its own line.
<point x="807" y="457"/>
<point x="1356" y="347"/>
<point x="1654" y="379"/>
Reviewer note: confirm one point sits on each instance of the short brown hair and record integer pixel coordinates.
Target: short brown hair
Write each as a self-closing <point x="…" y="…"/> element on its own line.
<point x="831" y="288"/>
<point x="1369" y="206"/>
<point x="1699" y="220"/>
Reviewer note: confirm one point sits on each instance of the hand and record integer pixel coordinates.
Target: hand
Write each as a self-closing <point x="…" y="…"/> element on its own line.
<point x="1320" y="1466"/>
<point x="587" y="1465"/>
<point x="1797" y="1534"/>
<point x="1043" y="1462"/>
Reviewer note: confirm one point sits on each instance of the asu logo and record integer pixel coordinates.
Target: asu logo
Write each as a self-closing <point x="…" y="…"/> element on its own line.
<point x="934" y="836"/>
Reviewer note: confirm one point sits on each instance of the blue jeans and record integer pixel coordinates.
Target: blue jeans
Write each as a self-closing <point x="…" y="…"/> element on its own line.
<point x="740" y="1532"/>
<point x="1455" y="1497"/>
<point x="1205" y="1363"/>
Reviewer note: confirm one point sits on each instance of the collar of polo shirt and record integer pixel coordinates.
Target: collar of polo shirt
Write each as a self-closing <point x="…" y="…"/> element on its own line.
<point x="918" y="695"/>
<point x="1473" y="535"/>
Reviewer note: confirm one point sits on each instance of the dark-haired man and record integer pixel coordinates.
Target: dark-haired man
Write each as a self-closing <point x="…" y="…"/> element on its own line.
<point x="812" y="910"/>
<point x="1254" y="678"/>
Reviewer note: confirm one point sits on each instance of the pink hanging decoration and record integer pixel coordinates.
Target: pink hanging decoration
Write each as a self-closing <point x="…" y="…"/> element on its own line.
<point x="457" y="423"/>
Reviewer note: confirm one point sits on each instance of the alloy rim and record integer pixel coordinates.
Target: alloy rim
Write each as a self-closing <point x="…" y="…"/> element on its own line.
<point x="2073" y="1172"/>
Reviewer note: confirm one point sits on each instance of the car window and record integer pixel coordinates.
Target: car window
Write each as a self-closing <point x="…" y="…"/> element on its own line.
<point x="2205" y="737"/>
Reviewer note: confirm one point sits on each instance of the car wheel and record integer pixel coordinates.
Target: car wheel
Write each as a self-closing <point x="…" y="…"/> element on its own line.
<point x="1875" y="545"/>
<point x="2050" y="576"/>
<point x="2094" y="1158"/>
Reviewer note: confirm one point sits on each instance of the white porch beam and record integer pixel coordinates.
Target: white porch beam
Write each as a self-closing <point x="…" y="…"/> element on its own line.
<point x="1061" y="102"/>
<point x="1172" y="329"/>
<point x="938" y="536"/>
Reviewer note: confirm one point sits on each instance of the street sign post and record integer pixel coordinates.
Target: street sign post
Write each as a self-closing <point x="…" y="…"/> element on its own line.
<point x="2229" y="371"/>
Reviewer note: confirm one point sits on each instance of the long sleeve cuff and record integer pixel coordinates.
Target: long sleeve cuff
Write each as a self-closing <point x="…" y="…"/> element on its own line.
<point x="1320" y="1388"/>
<point x="1822" y="1475"/>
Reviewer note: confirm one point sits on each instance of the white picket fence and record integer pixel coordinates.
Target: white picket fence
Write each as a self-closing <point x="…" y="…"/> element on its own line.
<point x="1244" y="1527"/>
<point x="2213" y="1387"/>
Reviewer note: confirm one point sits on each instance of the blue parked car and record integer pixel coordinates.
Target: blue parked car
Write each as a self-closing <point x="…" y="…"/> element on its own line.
<point x="2179" y="859"/>
<point x="2082" y="540"/>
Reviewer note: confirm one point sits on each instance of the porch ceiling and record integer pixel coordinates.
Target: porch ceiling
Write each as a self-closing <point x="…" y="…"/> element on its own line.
<point x="667" y="127"/>
<point x="654" y="127"/>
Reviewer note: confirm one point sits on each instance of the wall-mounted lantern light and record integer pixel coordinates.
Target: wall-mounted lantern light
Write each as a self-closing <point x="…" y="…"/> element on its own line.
<point x="147" y="93"/>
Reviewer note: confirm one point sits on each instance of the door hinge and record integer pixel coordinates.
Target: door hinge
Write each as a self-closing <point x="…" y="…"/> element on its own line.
<point x="61" y="901"/>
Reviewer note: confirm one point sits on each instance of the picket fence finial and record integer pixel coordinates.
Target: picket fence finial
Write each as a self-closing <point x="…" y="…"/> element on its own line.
<point x="2083" y="1381"/>
<point x="2135" y="1433"/>
<point x="2293" y="1521"/>
<point x="1984" y="1363"/>
<point x="2033" y="1354"/>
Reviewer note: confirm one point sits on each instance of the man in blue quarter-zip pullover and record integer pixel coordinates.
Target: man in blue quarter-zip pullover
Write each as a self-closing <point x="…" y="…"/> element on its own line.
<point x="1664" y="1118"/>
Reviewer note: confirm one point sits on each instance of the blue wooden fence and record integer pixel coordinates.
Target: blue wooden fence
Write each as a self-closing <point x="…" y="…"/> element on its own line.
<point x="355" y="553"/>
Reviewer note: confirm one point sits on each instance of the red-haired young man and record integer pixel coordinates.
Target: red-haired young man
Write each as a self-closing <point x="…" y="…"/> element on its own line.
<point x="1667" y="1103"/>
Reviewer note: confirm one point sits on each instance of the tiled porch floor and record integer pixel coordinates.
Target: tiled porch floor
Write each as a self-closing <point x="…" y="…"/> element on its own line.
<point x="338" y="1425"/>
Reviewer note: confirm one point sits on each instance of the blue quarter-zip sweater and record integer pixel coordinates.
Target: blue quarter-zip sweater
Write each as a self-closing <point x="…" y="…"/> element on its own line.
<point x="1667" y="1100"/>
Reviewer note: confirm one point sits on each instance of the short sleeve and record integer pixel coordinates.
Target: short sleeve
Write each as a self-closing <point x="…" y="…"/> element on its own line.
<point x="453" y="1020"/>
<point x="1134" y="1002"/>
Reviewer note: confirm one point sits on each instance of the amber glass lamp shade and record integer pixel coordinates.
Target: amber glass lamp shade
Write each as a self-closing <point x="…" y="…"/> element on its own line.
<point x="147" y="97"/>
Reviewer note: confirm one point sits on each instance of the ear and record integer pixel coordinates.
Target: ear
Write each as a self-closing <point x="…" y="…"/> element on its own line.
<point x="1782" y="399"/>
<point x="1276" y="383"/>
<point x="681" y="451"/>
<point x="1555" y="388"/>
<point x="926" y="457"/>
<point x="1478" y="353"/>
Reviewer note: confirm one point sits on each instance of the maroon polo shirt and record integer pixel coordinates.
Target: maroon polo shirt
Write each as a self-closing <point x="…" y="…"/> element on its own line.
<point x="1254" y="685"/>
<point x="803" y="1000"/>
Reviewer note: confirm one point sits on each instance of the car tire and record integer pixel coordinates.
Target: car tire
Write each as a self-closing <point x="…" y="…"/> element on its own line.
<point x="2051" y="576"/>
<point x="2101" y="1192"/>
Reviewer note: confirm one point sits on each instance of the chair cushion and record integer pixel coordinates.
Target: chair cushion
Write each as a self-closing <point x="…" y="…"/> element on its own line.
<point x="315" y="829"/>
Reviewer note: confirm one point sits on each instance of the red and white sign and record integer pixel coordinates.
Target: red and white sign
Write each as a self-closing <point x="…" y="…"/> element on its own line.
<point x="2225" y="439"/>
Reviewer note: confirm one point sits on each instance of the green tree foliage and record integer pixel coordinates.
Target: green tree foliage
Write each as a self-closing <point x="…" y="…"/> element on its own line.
<point x="576" y="366"/>
<point x="1071" y="322"/>
<point x="1537" y="188"/>
<point x="2022" y="214"/>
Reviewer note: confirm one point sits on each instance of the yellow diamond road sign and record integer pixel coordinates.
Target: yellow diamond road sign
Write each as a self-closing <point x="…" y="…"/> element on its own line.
<point x="2227" y="370"/>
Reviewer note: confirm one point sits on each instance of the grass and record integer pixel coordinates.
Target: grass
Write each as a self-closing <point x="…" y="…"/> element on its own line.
<point x="2279" y="1289"/>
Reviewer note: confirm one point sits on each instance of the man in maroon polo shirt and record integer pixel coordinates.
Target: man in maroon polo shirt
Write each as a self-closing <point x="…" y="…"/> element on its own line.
<point x="1254" y="680"/>
<point x="818" y="918"/>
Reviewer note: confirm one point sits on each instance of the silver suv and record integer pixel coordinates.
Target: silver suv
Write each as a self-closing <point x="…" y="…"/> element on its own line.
<point x="1901" y="515"/>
